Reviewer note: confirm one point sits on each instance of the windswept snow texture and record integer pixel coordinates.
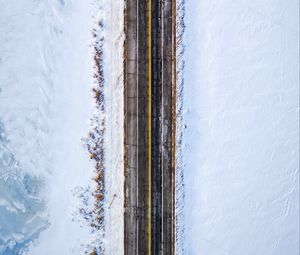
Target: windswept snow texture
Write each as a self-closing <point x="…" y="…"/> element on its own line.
<point x="45" y="109"/>
<point x="241" y="144"/>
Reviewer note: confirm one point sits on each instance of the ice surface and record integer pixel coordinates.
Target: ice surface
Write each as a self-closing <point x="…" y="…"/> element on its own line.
<point x="21" y="207"/>
<point x="241" y="144"/>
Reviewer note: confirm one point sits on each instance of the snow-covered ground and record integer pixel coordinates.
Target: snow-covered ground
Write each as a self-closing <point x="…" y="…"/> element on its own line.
<point x="114" y="145"/>
<point x="46" y="79"/>
<point x="241" y="144"/>
<point x="46" y="105"/>
<point x="69" y="54"/>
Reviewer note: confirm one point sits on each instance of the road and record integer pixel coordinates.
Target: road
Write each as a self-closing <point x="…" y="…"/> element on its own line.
<point x="149" y="127"/>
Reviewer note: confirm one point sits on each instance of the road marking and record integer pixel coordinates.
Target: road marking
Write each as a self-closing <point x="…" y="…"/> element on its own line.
<point x="162" y="127"/>
<point x="149" y="125"/>
<point x="137" y="126"/>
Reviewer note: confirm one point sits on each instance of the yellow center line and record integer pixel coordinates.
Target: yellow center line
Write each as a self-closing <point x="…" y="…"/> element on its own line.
<point x="149" y="125"/>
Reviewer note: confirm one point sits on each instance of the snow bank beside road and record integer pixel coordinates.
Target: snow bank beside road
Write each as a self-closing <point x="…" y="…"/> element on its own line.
<point x="114" y="137"/>
<point x="241" y="145"/>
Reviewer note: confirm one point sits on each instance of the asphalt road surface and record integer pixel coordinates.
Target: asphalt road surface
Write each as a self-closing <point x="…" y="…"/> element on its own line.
<point x="149" y="127"/>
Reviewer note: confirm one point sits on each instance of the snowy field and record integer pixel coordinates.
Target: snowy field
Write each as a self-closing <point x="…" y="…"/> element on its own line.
<point x="240" y="147"/>
<point x="46" y="106"/>
<point x="241" y="144"/>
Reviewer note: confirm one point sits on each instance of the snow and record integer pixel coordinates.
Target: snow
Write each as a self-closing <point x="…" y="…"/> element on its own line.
<point x="45" y="109"/>
<point x="241" y="144"/>
<point x="71" y="109"/>
<point x="47" y="112"/>
<point x="114" y="138"/>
